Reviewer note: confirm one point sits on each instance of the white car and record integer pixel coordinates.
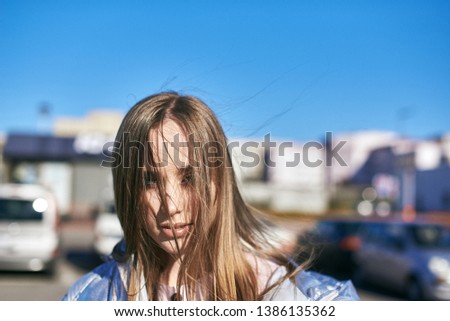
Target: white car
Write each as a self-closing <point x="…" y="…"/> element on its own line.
<point x="108" y="232"/>
<point x="29" y="237"/>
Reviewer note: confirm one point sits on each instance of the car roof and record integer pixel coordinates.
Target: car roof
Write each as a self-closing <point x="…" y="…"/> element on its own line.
<point x="23" y="191"/>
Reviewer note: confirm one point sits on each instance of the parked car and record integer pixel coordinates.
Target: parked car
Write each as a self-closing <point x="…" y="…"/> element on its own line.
<point x="330" y="247"/>
<point x="108" y="231"/>
<point x="29" y="234"/>
<point x="410" y="258"/>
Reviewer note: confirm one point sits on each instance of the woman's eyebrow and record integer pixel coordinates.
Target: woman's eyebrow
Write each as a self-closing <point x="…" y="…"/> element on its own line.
<point x="185" y="170"/>
<point x="150" y="171"/>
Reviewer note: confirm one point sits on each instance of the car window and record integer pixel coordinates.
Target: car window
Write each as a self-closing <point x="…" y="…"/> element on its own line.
<point x="20" y="210"/>
<point x="372" y="233"/>
<point x="325" y="228"/>
<point x="385" y="235"/>
<point x="336" y="230"/>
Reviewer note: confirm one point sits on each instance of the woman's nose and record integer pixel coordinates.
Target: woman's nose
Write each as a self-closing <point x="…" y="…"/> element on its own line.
<point x="173" y="200"/>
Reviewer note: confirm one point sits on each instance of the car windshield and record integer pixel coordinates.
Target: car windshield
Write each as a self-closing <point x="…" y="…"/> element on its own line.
<point x="20" y="210"/>
<point x="431" y="236"/>
<point x="337" y="228"/>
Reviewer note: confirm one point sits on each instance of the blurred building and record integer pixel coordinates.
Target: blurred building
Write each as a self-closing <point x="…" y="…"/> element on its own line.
<point x="433" y="190"/>
<point x="432" y="179"/>
<point x="374" y="173"/>
<point x="347" y="182"/>
<point x="68" y="161"/>
<point x="400" y="175"/>
<point x="283" y="178"/>
<point x="355" y="152"/>
<point x="97" y="123"/>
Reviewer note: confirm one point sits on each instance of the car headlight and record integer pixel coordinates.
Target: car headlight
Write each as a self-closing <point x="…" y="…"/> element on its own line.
<point x="440" y="267"/>
<point x="40" y="205"/>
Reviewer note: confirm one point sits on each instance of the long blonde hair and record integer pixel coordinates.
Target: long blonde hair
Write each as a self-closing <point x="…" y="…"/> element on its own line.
<point x="226" y="229"/>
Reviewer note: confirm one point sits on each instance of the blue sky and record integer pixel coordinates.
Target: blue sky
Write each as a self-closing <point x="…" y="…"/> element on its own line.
<point x="296" y="69"/>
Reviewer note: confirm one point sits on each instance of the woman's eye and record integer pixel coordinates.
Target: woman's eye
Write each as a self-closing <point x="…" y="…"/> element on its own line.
<point x="187" y="179"/>
<point x="150" y="180"/>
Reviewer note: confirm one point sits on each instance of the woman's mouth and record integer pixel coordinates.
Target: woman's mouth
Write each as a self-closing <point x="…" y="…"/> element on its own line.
<point x="178" y="230"/>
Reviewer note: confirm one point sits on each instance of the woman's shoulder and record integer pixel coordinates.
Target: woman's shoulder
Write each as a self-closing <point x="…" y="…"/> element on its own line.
<point x="320" y="287"/>
<point x="264" y="268"/>
<point x="308" y="285"/>
<point x="270" y="275"/>
<point x="101" y="284"/>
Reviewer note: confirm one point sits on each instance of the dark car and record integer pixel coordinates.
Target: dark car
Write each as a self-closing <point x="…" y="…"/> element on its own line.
<point x="330" y="247"/>
<point x="409" y="258"/>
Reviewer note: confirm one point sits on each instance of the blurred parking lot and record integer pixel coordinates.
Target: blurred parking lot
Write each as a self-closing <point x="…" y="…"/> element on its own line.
<point x="78" y="256"/>
<point x="410" y="259"/>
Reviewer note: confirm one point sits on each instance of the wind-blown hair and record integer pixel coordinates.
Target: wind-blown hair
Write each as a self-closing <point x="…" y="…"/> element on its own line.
<point x="226" y="230"/>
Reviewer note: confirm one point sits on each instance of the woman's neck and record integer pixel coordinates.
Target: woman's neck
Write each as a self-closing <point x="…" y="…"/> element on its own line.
<point x="170" y="274"/>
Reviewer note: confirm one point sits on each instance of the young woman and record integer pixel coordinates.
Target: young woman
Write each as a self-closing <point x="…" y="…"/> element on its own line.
<point x="188" y="234"/>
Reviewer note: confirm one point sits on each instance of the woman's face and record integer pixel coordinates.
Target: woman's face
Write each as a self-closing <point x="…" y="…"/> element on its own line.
<point x="173" y="224"/>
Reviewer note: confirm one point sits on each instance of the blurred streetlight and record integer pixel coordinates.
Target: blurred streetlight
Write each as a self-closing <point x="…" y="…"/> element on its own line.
<point x="408" y="174"/>
<point x="44" y="118"/>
